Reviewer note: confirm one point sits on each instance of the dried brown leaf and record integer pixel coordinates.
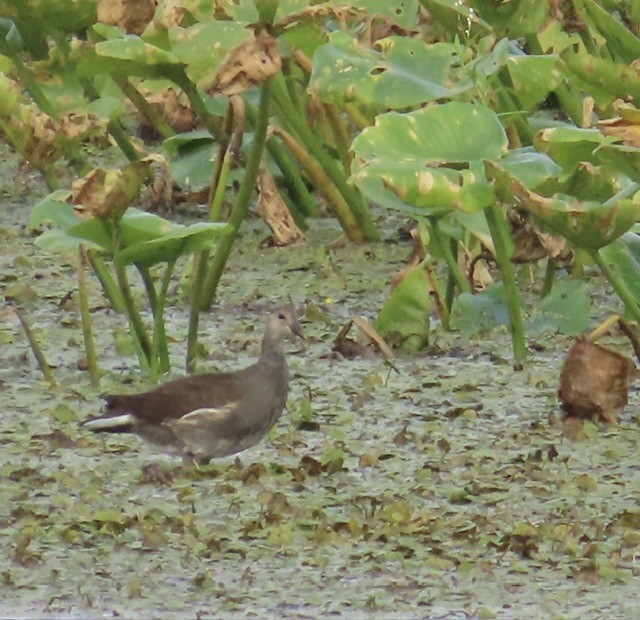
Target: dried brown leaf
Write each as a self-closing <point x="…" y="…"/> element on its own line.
<point x="531" y="244"/>
<point x="251" y="63"/>
<point x="275" y="213"/>
<point x="594" y="382"/>
<point x="132" y="16"/>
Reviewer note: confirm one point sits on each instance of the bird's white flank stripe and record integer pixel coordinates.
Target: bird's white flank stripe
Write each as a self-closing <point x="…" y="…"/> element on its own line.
<point x="105" y="424"/>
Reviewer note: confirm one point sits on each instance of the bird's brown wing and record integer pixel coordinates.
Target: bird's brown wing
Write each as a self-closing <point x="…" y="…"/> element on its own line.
<point x="178" y="398"/>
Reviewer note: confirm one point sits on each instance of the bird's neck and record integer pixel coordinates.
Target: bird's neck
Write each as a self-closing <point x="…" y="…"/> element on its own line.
<point x="272" y="351"/>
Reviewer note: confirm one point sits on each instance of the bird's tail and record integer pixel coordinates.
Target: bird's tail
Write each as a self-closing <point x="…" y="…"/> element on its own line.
<point x="111" y="424"/>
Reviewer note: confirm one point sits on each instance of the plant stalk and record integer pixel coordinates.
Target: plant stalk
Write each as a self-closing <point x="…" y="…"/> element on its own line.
<point x="44" y="367"/>
<point x="85" y="317"/>
<point x="290" y="115"/>
<point x="445" y="248"/>
<point x="630" y="302"/>
<point x="241" y="205"/>
<point x="503" y="250"/>
<point x="325" y="185"/>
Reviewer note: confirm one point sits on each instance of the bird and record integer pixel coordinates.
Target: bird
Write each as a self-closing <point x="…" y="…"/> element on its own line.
<point x="211" y="415"/>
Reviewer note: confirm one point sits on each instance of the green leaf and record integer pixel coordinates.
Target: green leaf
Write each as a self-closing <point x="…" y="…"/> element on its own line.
<point x="565" y="310"/>
<point x="54" y="210"/>
<point x="613" y="79"/>
<point x="588" y="224"/>
<point x="512" y="19"/>
<point x="534" y="77"/>
<point x="623" y="43"/>
<point x="133" y="48"/>
<point x="449" y="133"/>
<point x="9" y="94"/>
<point x="568" y="145"/>
<point x="182" y="240"/>
<point x="530" y="167"/>
<point x="434" y="190"/>
<point x="402" y="12"/>
<point x="108" y="515"/>
<point x="404" y="72"/>
<point x="620" y="158"/>
<point x="623" y="257"/>
<point x="204" y="46"/>
<point x="126" y="56"/>
<point x="399" y="160"/>
<point x="192" y="158"/>
<point x="474" y="313"/>
<point x="404" y="318"/>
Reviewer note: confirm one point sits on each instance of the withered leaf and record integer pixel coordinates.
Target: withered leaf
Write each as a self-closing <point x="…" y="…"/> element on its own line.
<point x="106" y="194"/>
<point x="251" y="63"/>
<point x="594" y="382"/>
<point x="531" y="244"/>
<point x="132" y="16"/>
<point x="275" y="213"/>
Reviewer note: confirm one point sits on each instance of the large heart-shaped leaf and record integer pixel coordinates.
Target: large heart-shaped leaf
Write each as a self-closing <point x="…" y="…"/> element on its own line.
<point x="450" y="133"/>
<point x="568" y="146"/>
<point x="400" y="73"/>
<point x="565" y="310"/>
<point x="180" y="241"/>
<point x="399" y="161"/>
<point x="204" y="46"/>
<point x="589" y="225"/>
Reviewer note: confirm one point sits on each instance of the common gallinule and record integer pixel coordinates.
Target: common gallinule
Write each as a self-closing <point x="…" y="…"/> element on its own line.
<point x="210" y="415"/>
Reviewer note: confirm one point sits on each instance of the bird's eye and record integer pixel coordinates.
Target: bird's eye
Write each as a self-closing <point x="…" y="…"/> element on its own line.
<point x="281" y="316"/>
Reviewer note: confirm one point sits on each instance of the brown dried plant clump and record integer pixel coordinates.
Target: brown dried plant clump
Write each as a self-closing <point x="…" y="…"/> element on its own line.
<point x="276" y="214"/>
<point x="249" y="64"/>
<point x="132" y="16"/>
<point x="594" y="385"/>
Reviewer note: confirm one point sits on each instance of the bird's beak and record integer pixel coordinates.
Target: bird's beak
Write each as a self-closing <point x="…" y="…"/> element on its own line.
<point x="296" y="329"/>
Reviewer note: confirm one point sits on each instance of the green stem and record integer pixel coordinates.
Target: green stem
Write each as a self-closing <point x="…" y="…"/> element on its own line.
<point x="325" y="185"/>
<point x="222" y="176"/>
<point x="45" y="369"/>
<point x="109" y="285"/>
<point x="340" y="135"/>
<point x="151" y="114"/>
<point x="178" y="75"/>
<point x="502" y="245"/>
<point x="85" y="317"/>
<point x="629" y="300"/>
<point x="434" y="282"/>
<point x="49" y="177"/>
<point x="140" y="337"/>
<point x="549" y="275"/>
<point x="510" y="113"/>
<point x="450" y="290"/>
<point x="32" y="85"/>
<point x="114" y="127"/>
<point x="444" y="248"/>
<point x="121" y="138"/>
<point x="197" y="296"/>
<point x="305" y="204"/>
<point x="147" y="280"/>
<point x="241" y="205"/>
<point x="290" y="115"/>
<point x="160" y="354"/>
